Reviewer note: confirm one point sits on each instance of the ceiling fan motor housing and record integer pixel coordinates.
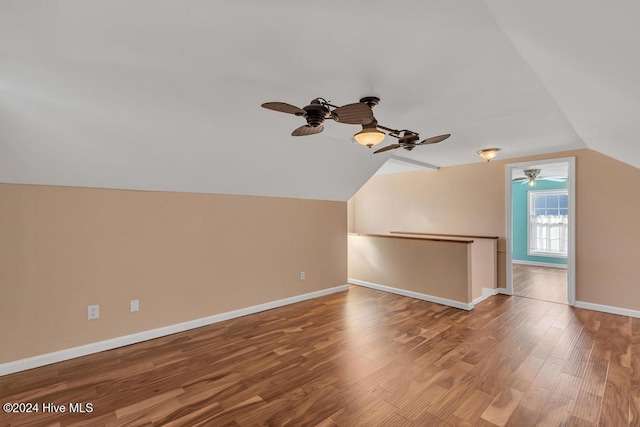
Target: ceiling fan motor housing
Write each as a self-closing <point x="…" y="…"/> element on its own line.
<point x="315" y="114"/>
<point x="409" y="138"/>
<point x="371" y="101"/>
<point x="532" y="173"/>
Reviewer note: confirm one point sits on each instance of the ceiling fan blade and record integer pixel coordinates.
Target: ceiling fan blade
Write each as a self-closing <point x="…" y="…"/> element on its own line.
<point x="553" y="178"/>
<point x="354" y="114"/>
<point x="307" y="130"/>
<point x="387" y="148"/>
<point x="434" y="139"/>
<point x="283" y="107"/>
<point x="520" y="179"/>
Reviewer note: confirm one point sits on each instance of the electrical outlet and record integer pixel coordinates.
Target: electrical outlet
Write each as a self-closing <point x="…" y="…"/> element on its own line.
<point x="302" y="275"/>
<point x="134" y="305"/>
<point x="93" y="312"/>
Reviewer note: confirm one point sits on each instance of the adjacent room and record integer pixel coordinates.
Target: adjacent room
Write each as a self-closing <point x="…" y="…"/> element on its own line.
<point x="540" y="231"/>
<point x="416" y="213"/>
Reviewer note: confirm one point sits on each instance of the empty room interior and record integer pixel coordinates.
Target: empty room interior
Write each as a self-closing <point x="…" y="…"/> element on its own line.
<point x="416" y="213"/>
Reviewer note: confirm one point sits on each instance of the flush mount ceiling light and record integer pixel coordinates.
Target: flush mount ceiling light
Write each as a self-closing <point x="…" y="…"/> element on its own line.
<point x="488" y="153"/>
<point x="359" y="113"/>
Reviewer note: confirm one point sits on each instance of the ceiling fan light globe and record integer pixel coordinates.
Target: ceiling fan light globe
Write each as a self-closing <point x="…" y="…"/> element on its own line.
<point x="369" y="137"/>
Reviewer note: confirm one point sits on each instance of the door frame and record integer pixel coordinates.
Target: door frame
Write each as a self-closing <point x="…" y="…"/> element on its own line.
<point x="571" y="187"/>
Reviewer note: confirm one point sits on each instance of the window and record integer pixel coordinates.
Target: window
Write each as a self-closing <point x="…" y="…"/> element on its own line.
<point x="548" y="223"/>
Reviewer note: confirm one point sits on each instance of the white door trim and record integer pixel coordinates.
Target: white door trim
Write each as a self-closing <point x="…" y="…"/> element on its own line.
<point x="571" y="187"/>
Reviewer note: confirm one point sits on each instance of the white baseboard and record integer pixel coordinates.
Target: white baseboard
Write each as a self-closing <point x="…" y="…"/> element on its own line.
<point x="486" y="293"/>
<point x="83" y="350"/>
<point x="502" y="291"/>
<point x="539" y="264"/>
<point x="608" y="309"/>
<point x="411" y="294"/>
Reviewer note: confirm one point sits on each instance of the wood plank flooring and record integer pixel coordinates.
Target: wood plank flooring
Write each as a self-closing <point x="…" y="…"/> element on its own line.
<point x="358" y="358"/>
<point x="543" y="283"/>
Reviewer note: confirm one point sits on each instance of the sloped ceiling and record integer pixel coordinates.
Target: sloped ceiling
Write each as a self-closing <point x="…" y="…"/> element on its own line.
<point x="165" y="95"/>
<point x="586" y="54"/>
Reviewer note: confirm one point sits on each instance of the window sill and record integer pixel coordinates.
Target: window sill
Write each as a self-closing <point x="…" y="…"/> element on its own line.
<point x="548" y="254"/>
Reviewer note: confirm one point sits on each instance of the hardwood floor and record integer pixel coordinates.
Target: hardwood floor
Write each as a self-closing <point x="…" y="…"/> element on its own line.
<point x="359" y="358"/>
<point x="544" y="283"/>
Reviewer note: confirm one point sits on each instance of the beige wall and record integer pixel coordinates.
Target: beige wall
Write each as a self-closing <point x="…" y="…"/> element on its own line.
<point x="440" y="269"/>
<point x="470" y="199"/>
<point x="184" y="256"/>
<point x="351" y="215"/>
<point x="484" y="265"/>
<point x="483" y="258"/>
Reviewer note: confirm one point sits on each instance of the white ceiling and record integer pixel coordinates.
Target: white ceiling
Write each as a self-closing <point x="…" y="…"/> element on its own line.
<point x="396" y="164"/>
<point x="585" y="52"/>
<point x="165" y="95"/>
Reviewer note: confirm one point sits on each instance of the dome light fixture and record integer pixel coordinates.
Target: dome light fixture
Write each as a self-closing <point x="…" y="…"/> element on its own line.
<point x="488" y="153"/>
<point x="369" y="135"/>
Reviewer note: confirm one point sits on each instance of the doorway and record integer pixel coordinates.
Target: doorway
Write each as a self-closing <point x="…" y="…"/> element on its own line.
<point x="540" y="208"/>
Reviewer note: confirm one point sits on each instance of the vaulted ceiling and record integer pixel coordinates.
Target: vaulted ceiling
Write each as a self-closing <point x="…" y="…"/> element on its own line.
<point x="165" y="95"/>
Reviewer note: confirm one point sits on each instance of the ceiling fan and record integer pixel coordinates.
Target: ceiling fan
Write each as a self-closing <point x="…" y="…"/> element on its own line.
<point x="533" y="175"/>
<point x="359" y="113"/>
<point x="408" y="140"/>
<point x="320" y="110"/>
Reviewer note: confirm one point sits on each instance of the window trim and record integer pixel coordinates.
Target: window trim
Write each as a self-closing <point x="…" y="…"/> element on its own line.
<point x="530" y="195"/>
